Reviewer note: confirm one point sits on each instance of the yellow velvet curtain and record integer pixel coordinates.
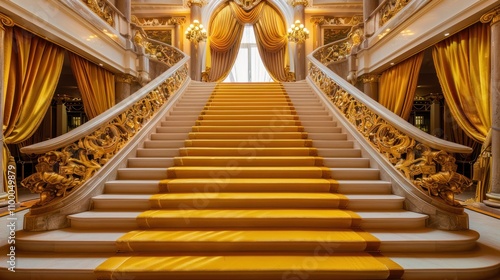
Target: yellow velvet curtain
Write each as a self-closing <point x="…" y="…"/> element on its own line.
<point x="271" y="34"/>
<point x="31" y="73"/>
<point x="463" y="67"/>
<point x="224" y="43"/>
<point x="397" y="86"/>
<point x="96" y="85"/>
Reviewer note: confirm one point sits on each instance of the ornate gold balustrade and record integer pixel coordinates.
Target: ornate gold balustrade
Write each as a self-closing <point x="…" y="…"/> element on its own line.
<point x="69" y="161"/>
<point x="340" y="50"/>
<point x="425" y="163"/>
<point x="104" y="9"/>
<point x="156" y="49"/>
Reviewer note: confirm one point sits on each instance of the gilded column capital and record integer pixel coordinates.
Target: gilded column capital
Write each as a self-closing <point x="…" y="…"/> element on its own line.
<point x="177" y="21"/>
<point x="5" y="21"/>
<point x="319" y="20"/>
<point x="294" y="3"/>
<point x="124" y="78"/>
<point x="200" y="3"/>
<point x="370" y="78"/>
<point x="492" y="16"/>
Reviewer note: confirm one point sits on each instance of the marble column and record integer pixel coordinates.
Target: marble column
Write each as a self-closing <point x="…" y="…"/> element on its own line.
<point x="4" y="21"/>
<point x="493" y="196"/>
<point x="125" y="7"/>
<point x="368" y="7"/>
<point x="123" y="84"/>
<point x="177" y="39"/>
<point x="370" y="85"/>
<point x="195" y="71"/>
<point x="300" y="48"/>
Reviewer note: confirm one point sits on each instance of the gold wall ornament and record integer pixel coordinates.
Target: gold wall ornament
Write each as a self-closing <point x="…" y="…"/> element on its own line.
<point x="294" y="3"/>
<point x="390" y="9"/>
<point x="102" y="9"/>
<point x="124" y="78"/>
<point x="492" y="16"/>
<point x="247" y="5"/>
<point x="200" y="3"/>
<point x="5" y="21"/>
<point x="370" y="78"/>
<point x="61" y="172"/>
<point x="432" y="171"/>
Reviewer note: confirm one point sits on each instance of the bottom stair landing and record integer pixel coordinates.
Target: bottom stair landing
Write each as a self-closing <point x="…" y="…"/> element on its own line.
<point x="250" y="181"/>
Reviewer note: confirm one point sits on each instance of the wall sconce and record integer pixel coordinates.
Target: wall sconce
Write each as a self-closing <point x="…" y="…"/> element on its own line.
<point x="196" y="32"/>
<point x="297" y="32"/>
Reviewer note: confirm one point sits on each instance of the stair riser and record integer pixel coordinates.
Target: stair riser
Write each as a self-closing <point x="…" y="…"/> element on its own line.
<point x="355" y="174"/>
<point x="162" y="153"/>
<point x="142" y="174"/>
<point x="243" y="172"/>
<point x="241" y="135"/>
<point x="233" y="223"/>
<point x="170" y="136"/>
<point x="339" y="153"/>
<point x="164" y="144"/>
<point x="264" y="143"/>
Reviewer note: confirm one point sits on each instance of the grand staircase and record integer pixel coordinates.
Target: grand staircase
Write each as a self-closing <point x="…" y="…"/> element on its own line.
<point x="252" y="181"/>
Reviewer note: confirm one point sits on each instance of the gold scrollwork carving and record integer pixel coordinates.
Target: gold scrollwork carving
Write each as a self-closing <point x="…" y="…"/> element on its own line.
<point x="294" y="3"/>
<point x="492" y="16"/>
<point x="390" y="9"/>
<point x="432" y="171"/>
<point x="369" y="78"/>
<point x="5" y="21"/>
<point x="341" y="49"/>
<point x="102" y="9"/>
<point x="163" y="52"/>
<point x="61" y="172"/>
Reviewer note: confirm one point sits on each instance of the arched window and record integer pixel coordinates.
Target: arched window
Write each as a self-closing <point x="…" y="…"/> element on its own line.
<point x="248" y="59"/>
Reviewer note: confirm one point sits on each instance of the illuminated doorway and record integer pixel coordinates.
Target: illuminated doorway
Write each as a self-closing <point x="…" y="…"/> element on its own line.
<point x="248" y="66"/>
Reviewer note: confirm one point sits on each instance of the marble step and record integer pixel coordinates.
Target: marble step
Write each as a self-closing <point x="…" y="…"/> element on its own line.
<point x="104" y="241"/>
<point x="478" y="264"/>
<point x="285" y="200"/>
<point x="242" y="218"/>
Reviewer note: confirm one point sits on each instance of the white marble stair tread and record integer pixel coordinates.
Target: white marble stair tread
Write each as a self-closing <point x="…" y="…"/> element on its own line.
<point x="69" y="240"/>
<point x="470" y="265"/>
<point x="141" y="201"/>
<point x="398" y="219"/>
<point x="154" y="162"/>
<point x="53" y="266"/>
<point x="132" y="186"/>
<point x="344" y="186"/>
<point x="355" y="173"/>
<point x="415" y="241"/>
<point x="480" y="263"/>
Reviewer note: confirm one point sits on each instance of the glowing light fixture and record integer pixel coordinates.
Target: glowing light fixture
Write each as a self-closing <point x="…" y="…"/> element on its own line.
<point x="196" y="32"/>
<point x="297" y="32"/>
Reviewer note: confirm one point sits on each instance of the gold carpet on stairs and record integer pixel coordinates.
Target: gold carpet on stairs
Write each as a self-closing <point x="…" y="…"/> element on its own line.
<point x="248" y="199"/>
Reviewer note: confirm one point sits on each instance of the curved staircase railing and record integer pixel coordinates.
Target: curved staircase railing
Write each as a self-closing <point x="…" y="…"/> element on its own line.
<point x="72" y="167"/>
<point x="422" y="165"/>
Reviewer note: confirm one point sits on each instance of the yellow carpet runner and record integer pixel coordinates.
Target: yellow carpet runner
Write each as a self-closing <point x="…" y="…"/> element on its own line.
<point x="248" y="199"/>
